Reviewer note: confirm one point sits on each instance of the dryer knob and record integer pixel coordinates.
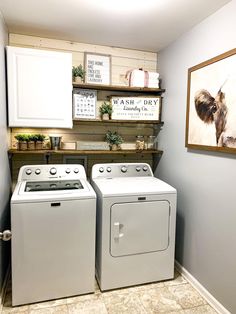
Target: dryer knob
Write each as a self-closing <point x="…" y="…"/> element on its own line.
<point x="108" y="169"/>
<point x="68" y="170"/>
<point x="145" y="168"/>
<point x="37" y="171"/>
<point x="28" y="171"/>
<point x="53" y="171"/>
<point x="101" y="169"/>
<point x="123" y="169"/>
<point x="76" y="170"/>
<point x="138" y="169"/>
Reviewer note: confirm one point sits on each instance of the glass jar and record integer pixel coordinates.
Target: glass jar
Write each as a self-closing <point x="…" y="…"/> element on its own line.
<point x="151" y="142"/>
<point x="140" y="144"/>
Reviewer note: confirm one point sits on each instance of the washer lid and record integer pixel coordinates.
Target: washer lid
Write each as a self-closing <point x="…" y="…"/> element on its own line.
<point x="132" y="186"/>
<point x="34" y="191"/>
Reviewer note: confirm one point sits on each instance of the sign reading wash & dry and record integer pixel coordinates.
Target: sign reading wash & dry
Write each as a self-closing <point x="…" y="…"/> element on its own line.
<point x="136" y="108"/>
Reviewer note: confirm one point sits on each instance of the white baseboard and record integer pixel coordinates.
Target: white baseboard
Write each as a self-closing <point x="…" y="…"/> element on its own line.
<point x="203" y="291"/>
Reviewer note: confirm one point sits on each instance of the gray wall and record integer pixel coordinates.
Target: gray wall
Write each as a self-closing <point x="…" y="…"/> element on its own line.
<point x="206" y="222"/>
<point x="4" y="164"/>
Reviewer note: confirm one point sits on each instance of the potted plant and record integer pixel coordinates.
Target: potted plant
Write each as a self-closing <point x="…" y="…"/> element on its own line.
<point x="39" y="139"/>
<point x="114" y="140"/>
<point x="22" y="141"/>
<point x="31" y="142"/>
<point x="106" y="110"/>
<point x="78" y="74"/>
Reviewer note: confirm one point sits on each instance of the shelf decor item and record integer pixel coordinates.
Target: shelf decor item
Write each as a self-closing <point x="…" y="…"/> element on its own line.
<point x="136" y="108"/>
<point x="106" y="110"/>
<point x="78" y="74"/>
<point x="22" y="141"/>
<point x="39" y="139"/>
<point x="141" y="78"/>
<point x="98" y="68"/>
<point x="114" y="140"/>
<point x="211" y="104"/>
<point x="84" y="101"/>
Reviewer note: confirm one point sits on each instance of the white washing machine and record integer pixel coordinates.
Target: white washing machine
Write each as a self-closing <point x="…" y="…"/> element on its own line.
<point x="136" y="215"/>
<point x="53" y="218"/>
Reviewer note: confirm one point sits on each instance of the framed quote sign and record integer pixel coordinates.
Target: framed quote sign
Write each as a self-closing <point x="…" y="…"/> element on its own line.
<point x="211" y="104"/>
<point x="84" y="104"/>
<point x="98" y="68"/>
<point x="136" y="108"/>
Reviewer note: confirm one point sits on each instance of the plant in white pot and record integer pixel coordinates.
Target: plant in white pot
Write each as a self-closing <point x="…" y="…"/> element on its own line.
<point x="78" y="74"/>
<point x="106" y="110"/>
<point x="114" y="140"/>
<point x="22" y="141"/>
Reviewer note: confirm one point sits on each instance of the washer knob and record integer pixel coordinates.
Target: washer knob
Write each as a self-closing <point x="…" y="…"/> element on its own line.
<point x="53" y="171"/>
<point x="123" y="169"/>
<point x="138" y="169"/>
<point x="101" y="169"/>
<point x="76" y="170"/>
<point x="28" y="171"/>
<point x="37" y="171"/>
<point x="68" y="170"/>
<point x="145" y="168"/>
<point x="108" y="169"/>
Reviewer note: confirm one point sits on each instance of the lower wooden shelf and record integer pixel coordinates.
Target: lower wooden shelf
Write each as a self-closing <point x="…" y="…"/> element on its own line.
<point x="85" y="152"/>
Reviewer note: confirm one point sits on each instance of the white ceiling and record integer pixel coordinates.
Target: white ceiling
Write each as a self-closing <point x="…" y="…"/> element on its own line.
<point x="138" y="24"/>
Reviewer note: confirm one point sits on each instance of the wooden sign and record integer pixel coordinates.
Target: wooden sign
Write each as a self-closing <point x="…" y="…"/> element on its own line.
<point x="136" y="108"/>
<point x="98" y="68"/>
<point x="85" y="104"/>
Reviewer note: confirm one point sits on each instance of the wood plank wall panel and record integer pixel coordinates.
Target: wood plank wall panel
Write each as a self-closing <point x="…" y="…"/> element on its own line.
<point x="122" y="60"/>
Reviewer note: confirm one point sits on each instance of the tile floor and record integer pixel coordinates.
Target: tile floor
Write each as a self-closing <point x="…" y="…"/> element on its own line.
<point x="172" y="296"/>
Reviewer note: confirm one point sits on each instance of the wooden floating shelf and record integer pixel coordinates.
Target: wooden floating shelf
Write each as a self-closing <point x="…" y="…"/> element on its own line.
<point x="119" y="88"/>
<point x="119" y="121"/>
<point x="85" y="152"/>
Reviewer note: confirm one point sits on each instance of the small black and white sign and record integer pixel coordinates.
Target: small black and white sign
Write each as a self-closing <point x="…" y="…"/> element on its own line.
<point x="98" y="68"/>
<point x="85" y="104"/>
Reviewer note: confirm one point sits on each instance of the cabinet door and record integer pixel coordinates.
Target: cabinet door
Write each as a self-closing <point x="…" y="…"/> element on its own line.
<point x="39" y="88"/>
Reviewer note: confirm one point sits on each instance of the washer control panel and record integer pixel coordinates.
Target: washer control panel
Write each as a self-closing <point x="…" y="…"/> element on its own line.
<point x="121" y="170"/>
<point x="45" y="172"/>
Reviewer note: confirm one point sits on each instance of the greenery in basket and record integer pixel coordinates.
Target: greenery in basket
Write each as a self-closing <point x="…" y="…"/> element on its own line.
<point x="113" y="138"/>
<point x="106" y="107"/>
<point x="38" y="137"/>
<point x="22" y="137"/>
<point x="78" y="71"/>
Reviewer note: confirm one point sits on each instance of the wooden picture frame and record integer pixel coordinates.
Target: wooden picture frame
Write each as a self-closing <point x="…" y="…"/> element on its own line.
<point x="211" y="104"/>
<point x="137" y="108"/>
<point x="98" y="68"/>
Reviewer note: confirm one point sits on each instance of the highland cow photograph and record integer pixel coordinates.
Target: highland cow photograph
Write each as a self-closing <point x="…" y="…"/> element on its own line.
<point x="211" y="104"/>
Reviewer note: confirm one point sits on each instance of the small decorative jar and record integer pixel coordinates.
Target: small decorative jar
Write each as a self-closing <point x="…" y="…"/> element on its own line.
<point x="151" y="142"/>
<point x="140" y="144"/>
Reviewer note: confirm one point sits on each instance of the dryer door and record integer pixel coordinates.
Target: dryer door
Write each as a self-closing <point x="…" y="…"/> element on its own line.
<point x="139" y="227"/>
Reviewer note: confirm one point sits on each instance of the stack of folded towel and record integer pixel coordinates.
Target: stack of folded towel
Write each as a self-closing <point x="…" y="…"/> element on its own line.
<point x="140" y="78"/>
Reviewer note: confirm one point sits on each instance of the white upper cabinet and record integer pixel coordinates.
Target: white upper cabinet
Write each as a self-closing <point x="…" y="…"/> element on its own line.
<point x="39" y="88"/>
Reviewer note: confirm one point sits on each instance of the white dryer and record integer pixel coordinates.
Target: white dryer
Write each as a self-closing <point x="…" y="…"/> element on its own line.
<point x="136" y="215"/>
<point x="53" y="213"/>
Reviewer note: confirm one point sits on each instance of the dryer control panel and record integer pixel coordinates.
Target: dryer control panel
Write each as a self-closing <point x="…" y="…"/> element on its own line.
<point x="121" y="170"/>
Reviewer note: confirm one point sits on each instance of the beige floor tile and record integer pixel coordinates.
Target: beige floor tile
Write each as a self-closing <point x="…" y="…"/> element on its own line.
<point x="15" y="310"/>
<point x="186" y="296"/>
<point x="159" y="300"/>
<point x="87" y="307"/>
<point x="80" y="298"/>
<point x="47" y="304"/>
<point x="118" y="302"/>
<point x="203" y="309"/>
<point x="61" y="309"/>
<point x="178" y="280"/>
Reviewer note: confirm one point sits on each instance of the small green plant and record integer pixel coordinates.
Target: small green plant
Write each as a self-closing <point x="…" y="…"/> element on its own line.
<point x="78" y="71"/>
<point x="113" y="138"/>
<point x="22" y="137"/>
<point x="106" y="107"/>
<point x="39" y="138"/>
